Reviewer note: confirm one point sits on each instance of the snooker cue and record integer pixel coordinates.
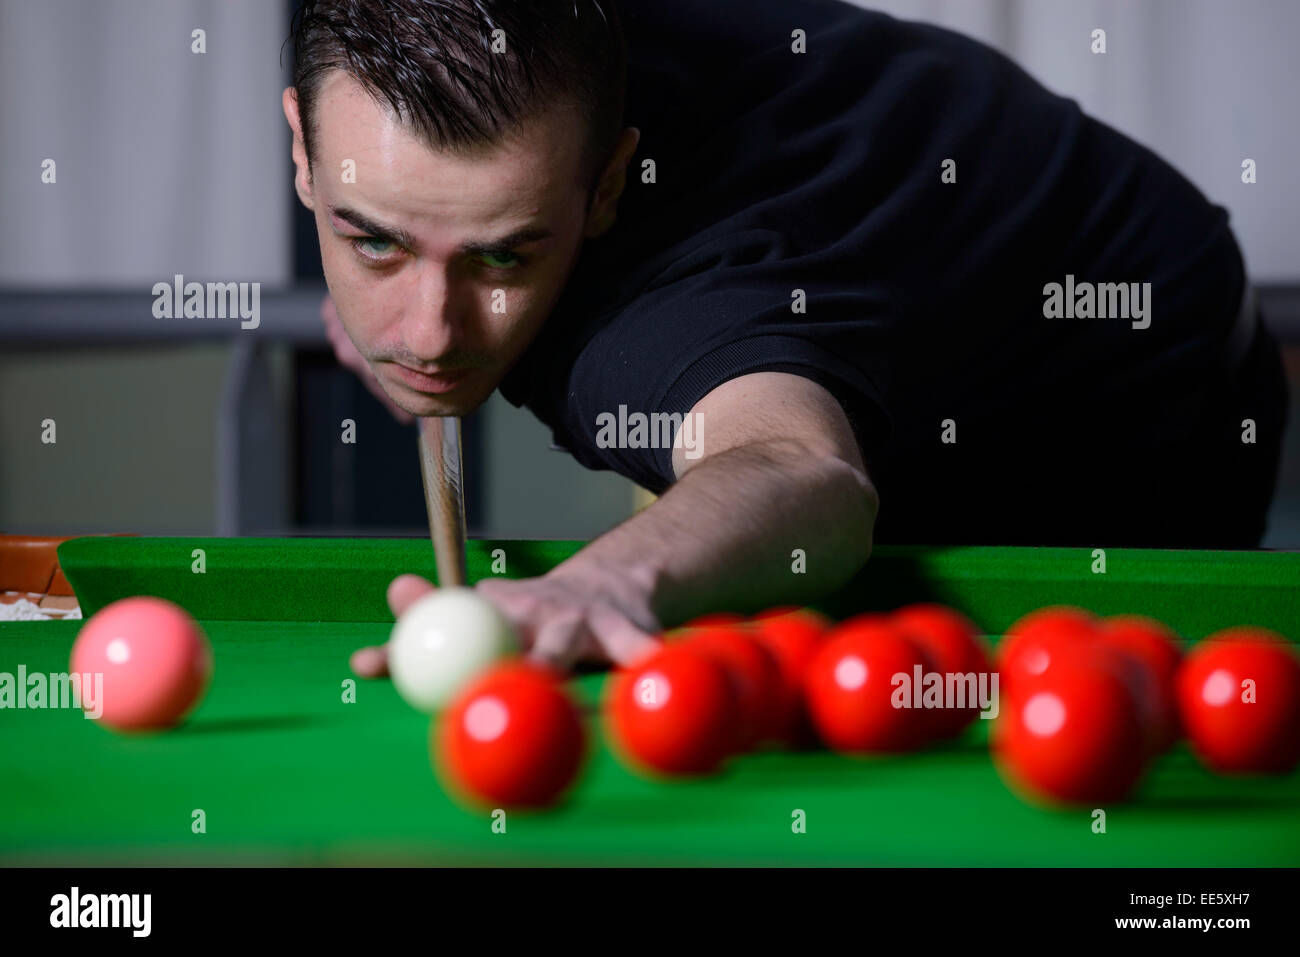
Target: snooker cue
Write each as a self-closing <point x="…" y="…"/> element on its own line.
<point x="444" y="496"/>
<point x="440" y="469"/>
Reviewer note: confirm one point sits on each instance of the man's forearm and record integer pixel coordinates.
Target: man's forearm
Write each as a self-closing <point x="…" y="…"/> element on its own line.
<point x="729" y="534"/>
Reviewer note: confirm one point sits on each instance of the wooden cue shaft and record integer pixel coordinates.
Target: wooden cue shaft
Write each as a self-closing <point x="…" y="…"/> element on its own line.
<point x="440" y="467"/>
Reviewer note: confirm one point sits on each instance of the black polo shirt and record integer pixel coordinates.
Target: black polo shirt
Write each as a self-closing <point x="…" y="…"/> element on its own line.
<point x="819" y="176"/>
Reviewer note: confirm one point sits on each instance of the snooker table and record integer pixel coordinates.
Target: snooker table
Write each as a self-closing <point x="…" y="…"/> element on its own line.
<point x="287" y="772"/>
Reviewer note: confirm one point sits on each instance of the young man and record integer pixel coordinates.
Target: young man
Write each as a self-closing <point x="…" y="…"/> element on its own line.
<point x="874" y="268"/>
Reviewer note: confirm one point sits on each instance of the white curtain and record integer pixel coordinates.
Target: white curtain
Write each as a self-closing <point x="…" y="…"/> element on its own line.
<point x="168" y="161"/>
<point x="171" y="162"/>
<point x="1205" y="83"/>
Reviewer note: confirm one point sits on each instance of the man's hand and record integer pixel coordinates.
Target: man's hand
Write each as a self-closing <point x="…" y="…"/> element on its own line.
<point x="562" y="619"/>
<point x="565" y="619"/>
<point x="350" y="358"/>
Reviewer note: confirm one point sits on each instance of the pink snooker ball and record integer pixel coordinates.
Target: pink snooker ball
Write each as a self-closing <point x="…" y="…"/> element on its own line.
<point x="155" y="661"/>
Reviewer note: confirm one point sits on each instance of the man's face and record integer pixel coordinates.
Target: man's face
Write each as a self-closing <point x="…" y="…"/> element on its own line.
<point x="443" y="267"/>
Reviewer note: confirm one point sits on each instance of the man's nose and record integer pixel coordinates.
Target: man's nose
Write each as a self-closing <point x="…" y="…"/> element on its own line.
<point x="432" y="323"/>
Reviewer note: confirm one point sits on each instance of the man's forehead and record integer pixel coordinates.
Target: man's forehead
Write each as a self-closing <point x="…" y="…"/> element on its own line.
<point x="526" y="169"/>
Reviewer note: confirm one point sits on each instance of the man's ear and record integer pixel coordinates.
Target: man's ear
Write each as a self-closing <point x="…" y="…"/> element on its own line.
<point x="302" y="176"/>
<point x="604" y="205"/>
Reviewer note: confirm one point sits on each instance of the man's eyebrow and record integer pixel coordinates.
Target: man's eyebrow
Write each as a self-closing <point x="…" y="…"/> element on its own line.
<point x="387" y="234"/>
<point x="528" y="234"/>
<point x="401" y="237"/>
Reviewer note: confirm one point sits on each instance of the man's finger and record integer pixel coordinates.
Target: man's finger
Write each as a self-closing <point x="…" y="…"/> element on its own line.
<point x="404" y="591"/>
<point x="628" y="649"/>
<point x="558" y="643"/>
<point x="622" y="642"/>
<point x="370" y="662"/>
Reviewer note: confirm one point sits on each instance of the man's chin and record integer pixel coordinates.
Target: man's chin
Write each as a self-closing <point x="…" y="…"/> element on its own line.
<point x="441" y="408"/>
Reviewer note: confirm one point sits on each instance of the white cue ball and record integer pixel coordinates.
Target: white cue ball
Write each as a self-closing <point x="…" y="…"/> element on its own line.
<point x="442" y="641"/>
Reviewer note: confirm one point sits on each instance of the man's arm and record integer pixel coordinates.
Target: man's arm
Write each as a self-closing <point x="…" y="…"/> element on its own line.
<point x="780" y="470"/>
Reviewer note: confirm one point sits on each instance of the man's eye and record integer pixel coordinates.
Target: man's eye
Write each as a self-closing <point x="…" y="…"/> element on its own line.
<point x="501" y="260"/>
<point x="373" y="248"/>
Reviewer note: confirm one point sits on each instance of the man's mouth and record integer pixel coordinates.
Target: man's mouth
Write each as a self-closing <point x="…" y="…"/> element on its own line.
<point x="436" y="384"/>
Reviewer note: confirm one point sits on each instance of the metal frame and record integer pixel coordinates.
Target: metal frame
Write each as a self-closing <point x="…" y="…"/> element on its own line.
<point x="252" y="486"/>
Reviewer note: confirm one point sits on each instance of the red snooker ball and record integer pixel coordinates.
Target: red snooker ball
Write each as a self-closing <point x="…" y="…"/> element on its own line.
<point x="1055" y="618"/>
<point x="755" y="674"/>
<point x="1155" y="648"/>
<point x="850" y="688"/>
<point x="1074" y="733"/>
<point x="1239" y="700"/>
<point x="1033" y="642"/>
<point x="957" y="648"/>
<point x="512" y="738"/>
<point x="793" y="638"/>
<point x="155" y="661"/>
<point x="674" y="713"/>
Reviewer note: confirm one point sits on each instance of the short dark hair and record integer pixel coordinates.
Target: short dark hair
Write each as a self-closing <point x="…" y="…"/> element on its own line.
<point x="432" y="63"/>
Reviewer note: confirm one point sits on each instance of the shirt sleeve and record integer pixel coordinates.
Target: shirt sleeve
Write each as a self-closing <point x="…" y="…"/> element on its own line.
<point x="673" y="346"/>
